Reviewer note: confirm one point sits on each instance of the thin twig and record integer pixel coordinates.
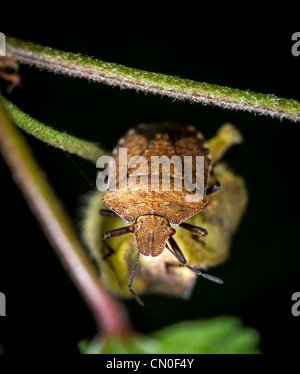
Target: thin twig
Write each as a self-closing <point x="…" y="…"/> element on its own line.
<point x="77" y="65"/>
<point x="108" y="313"/>
<point x="82" y="148"/>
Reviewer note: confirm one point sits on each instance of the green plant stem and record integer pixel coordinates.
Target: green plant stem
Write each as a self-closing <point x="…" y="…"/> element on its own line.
<point x="108" y="313"/>
<point x="82" y="148"/>
<point x="77" y="65"/>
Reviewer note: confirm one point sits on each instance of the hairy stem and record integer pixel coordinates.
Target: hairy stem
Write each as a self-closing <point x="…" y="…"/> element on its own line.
<point x="82" y="148"/>
<point x="77" y="65"/>
<point x="108" y="313"/>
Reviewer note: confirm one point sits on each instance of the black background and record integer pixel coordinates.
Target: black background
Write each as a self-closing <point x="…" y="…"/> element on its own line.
<point x="246" y="50"/>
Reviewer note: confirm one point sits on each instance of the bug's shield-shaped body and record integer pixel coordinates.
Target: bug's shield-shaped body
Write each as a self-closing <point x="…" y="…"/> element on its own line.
<point x="220" y="218"/>
<point x="160" y="140"/>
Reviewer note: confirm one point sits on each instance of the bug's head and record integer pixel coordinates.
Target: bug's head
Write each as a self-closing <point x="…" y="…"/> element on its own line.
<point x="151" y="233"/>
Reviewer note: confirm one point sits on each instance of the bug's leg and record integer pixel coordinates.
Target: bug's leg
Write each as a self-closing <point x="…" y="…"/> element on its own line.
<point x="117" y="232"/>
<point x="113" y="233"/>
<point x="110" y="250"/>
<point x="214" y="188"/>
<point x="107" y="213"/>
<point x="197" y="230"/>
<point x="174" y="249"/>
<point x="13" y="78"/>
<point x="135" y="296"/>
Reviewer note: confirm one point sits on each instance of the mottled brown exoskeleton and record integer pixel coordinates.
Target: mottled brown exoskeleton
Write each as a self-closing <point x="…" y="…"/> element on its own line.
<point x="152" y="214"/>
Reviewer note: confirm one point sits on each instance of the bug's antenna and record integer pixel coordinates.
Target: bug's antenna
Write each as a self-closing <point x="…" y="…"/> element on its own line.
<point x="204" y="275"/>
<point x="136" y="297"/>
<point x="174" y="249"/>
<point x="80" y="170"/>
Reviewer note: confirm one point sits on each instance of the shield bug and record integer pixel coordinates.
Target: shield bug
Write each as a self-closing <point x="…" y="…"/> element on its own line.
<point x="152" y="212"/>
<point x="158" y="270"/>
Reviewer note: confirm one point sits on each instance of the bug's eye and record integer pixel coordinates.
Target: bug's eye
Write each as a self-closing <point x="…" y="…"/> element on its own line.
<point x="172" y="231"/>
<point x="141" y="221"/>
<point x="131" y="228"/>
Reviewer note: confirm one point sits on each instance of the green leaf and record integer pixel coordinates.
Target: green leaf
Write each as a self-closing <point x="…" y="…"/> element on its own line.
<point x="222" y="335"/>
<point x="217" y="335"/>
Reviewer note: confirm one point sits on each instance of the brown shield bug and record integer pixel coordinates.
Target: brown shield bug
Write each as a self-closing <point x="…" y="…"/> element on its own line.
<point x="152" y="212"/>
